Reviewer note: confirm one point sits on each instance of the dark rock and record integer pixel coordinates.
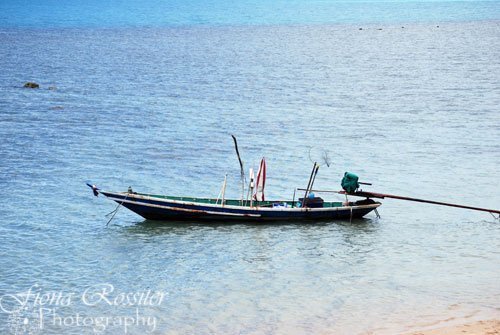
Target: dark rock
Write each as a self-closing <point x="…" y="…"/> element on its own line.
<point x="30" y="84"/>
<point x="360" y="28"/>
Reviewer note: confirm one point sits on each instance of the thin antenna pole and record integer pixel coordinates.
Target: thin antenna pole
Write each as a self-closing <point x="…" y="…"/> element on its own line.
<point x="250" y="188"/>
<point x="224" y="190"/>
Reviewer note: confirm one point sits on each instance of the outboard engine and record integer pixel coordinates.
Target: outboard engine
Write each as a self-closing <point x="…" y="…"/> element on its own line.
<point x="350" y="182"/>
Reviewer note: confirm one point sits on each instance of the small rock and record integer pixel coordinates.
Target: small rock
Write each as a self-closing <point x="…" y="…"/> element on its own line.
<point x="31" y="84"/>
<point x="437" y="26"/>
<point x="379" y="29"/>
<point x="360" y="28"/>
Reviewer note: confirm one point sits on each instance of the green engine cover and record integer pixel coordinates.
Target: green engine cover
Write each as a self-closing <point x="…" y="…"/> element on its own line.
<point x="350" y="182"/>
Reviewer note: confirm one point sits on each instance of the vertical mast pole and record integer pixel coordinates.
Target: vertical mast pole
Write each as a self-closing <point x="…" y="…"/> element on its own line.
<point x="242" y="171"/>
<point x="224" y="190"/>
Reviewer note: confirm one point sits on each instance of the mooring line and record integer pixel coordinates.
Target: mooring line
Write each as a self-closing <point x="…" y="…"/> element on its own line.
<point x="496" y="218"/>
<point x="116" y="210"/>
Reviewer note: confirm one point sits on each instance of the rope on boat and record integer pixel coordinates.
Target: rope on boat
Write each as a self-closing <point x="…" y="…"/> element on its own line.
<point x="496" y="218"/>
<point x="116" y="210"/>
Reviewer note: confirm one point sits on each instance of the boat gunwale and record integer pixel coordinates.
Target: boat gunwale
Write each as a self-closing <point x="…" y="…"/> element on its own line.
<point x="219" y="206"/>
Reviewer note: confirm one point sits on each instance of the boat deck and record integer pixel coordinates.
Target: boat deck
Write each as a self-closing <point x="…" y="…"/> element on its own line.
<point x="235" y="202"/>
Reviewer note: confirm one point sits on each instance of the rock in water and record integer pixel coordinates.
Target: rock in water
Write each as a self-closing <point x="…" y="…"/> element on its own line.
<point x="56" y="108"/>
<point x="30" y="84"/>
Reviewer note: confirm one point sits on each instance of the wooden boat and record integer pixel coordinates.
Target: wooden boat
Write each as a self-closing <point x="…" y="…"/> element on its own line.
<point x="161" y="207"/>
<point x="255" y="208"/>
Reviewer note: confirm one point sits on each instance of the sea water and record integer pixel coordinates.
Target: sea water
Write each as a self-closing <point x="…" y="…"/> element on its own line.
<point x="146" y="94"/>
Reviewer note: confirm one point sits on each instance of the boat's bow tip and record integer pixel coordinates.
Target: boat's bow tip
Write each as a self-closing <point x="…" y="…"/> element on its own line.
<point x="94" y="188"/>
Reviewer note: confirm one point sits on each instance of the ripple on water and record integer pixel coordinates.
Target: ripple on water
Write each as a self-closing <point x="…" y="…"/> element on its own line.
<point x="412" y="110"/>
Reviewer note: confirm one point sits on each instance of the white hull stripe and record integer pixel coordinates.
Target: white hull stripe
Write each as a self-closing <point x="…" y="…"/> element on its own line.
<point x="241" y="208"/>
<point x="182" y="209"/>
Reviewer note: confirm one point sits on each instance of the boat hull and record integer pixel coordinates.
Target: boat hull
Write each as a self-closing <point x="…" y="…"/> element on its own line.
<point x="153" y="208"/>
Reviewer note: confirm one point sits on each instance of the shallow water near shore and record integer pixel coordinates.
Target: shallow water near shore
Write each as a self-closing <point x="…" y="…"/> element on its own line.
<point x="413" y="110"/>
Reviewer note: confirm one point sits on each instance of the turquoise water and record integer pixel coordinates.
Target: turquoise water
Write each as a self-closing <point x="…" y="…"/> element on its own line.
<point x="150" y="104"/>
<point x="154" y="13"/>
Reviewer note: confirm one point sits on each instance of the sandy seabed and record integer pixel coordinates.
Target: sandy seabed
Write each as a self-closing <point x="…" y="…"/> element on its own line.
<point x="484" y="327"/>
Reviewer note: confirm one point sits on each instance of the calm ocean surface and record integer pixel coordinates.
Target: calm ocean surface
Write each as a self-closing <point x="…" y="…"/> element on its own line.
<point x="147" y="94"/>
